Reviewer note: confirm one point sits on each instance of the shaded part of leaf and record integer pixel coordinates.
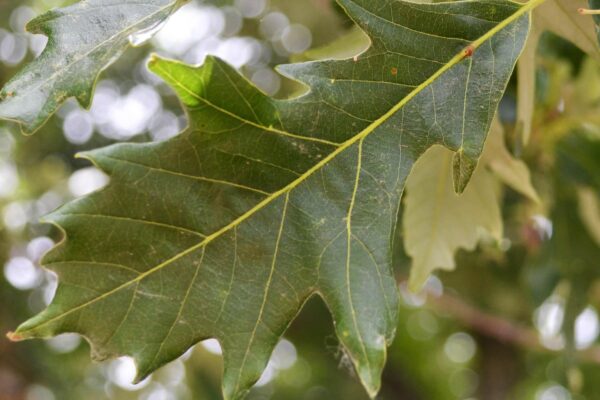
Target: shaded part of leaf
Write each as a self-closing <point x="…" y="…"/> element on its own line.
<point x="463" y="171"/>
<point x="352" y="43"/>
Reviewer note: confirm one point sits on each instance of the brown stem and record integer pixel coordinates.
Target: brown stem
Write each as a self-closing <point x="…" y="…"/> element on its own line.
<point x="499" y="328"/>
<point x="489" y="325"/>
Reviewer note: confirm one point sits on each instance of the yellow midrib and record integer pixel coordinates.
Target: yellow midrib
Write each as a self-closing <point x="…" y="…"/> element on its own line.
<point x="274" y="196"/>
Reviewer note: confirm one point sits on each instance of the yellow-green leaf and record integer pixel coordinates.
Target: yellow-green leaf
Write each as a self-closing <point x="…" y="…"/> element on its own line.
<point x="437" y="222"/>
<point x="513" y="172"/>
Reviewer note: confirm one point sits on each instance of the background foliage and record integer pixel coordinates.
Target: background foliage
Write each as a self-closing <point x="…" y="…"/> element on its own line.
<point x="476" y="335"/>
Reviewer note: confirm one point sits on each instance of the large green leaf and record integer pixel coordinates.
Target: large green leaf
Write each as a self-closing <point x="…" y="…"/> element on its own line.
<point x="226" y="230"/>
<point x="510" y="170"/>
<point x="83" y="39"/>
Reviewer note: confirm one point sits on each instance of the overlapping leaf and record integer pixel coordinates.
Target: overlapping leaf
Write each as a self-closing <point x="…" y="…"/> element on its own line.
<point x="437" y="222"/>
<point x="226" y="230"/>
<point x="83" y="39"/>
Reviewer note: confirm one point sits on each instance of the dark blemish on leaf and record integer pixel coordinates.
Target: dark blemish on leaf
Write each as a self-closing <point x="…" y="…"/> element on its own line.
<point x="394" y="71"/>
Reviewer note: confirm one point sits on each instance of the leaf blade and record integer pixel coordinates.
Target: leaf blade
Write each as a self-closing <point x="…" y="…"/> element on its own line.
<point x="294" y="173"/>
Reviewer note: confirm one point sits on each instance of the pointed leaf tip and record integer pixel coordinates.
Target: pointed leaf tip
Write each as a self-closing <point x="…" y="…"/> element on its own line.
<point x="14" y="337"/>
<point x="153" y="60"/>
<point x="464" y="166"/>
<point x="371" y="381"/>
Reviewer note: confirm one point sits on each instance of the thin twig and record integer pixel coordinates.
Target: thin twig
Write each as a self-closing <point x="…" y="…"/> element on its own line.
<point x="497" y="327"/>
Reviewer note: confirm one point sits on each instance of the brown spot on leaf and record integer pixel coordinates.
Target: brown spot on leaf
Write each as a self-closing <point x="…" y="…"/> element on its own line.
<point x="468" y="52"/>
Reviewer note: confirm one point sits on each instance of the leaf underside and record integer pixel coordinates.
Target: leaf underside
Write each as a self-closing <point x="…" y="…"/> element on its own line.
<point x="437" y="222"/>
<point x="226" y="230"/>
<point x="83" y="39"/>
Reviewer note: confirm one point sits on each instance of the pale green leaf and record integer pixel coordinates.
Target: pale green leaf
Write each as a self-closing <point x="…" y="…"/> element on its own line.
<point x="352" y="43"/>
<point x="226" y="230"/>
<point x="437" y="222"/>
<point x="83" y="39"/>
<point x="562" y="18"/>
<point x="513" y="172"/>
